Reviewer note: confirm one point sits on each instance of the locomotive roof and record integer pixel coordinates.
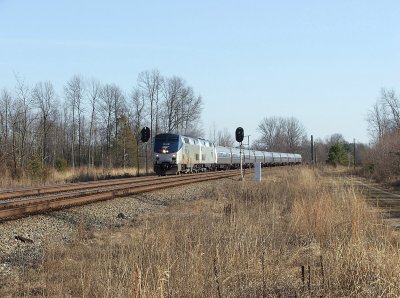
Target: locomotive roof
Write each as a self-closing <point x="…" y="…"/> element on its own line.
<point x="182" y="136"/>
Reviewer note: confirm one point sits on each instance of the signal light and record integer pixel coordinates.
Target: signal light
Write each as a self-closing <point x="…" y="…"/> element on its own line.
<point x="239" y="134"/>
<point x="145" y="134"/>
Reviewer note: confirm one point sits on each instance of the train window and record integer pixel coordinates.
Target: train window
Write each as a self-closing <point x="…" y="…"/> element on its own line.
<point x="203" y="157"/>
<point x="197" y="156"/>
<point x="186" y="140"/>
<point x="166" y="138"/>
<point x="173" y="138"/>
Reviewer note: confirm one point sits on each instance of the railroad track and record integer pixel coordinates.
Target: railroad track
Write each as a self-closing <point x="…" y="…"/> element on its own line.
<point x="23" y="202"/>
<point x="51" y="189"/>
<point x="386" y="199"/>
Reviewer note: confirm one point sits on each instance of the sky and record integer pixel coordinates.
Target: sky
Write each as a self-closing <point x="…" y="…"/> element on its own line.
<point x="322" y="62"/>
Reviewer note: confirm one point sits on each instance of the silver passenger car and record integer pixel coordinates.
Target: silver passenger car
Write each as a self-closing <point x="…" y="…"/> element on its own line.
<point x="177" y="154"/>
<point x="224" y="157"/>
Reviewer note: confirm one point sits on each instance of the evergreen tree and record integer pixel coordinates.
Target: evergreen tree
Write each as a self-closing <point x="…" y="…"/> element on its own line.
<point x="126" y="143"/>
<point x="338" y="155"/>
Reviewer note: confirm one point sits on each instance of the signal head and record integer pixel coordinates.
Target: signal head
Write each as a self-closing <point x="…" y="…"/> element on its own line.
<point x="239" y="134"/>
<point x="145" y="134"/>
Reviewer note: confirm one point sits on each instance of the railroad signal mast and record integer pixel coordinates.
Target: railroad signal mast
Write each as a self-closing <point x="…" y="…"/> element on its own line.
<point x="239" y="134"/>
<point x="144" y="137"/>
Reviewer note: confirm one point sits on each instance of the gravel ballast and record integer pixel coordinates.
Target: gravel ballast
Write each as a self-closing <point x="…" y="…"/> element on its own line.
<point x="23" y="241"/>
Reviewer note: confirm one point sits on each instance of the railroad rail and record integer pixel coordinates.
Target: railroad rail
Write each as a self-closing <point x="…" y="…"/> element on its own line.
<point x="379" y="196"/>
<point x="383" y="197"/>
<point x="18" y="203"/>
<point x="58" y="188"/>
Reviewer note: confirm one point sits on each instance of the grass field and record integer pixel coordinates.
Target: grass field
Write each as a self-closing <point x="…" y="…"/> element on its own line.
<point x="292" y="235"/>
<point x="69" y="175"/>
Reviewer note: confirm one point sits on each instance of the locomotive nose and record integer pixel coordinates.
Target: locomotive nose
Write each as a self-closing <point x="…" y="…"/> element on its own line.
<point x="166" y="158"/>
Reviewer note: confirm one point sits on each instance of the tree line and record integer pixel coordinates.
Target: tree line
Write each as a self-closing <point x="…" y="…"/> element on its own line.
<point x="279" y="134"/>
<point x="89" y="123"/>
<point x="384" y="128"/>
<point x="94" y="124"/>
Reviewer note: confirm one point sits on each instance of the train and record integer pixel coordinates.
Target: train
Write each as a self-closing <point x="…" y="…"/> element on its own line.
<point x="178" y="154"/>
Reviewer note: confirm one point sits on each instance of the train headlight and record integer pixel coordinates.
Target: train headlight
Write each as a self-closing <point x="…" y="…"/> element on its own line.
<point x="165" y="151"/>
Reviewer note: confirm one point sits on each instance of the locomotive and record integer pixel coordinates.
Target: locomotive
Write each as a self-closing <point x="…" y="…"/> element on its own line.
<point x="176" y="154"/>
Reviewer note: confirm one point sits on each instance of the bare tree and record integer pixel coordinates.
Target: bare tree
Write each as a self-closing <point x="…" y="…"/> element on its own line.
<point x="118" y="108"/>
<point x="390" y="99"/>
<point x="15" y="119"/>
<point x="24" y="97"/>
<point x="378" y="121"/>
<point x="384" y="117"/>
<point x="74" y="90"/>
<point x="91" y="125"/>
<point x="45" y="98"/>
<point x="383" y="125"/>
<point x="150" y="83"/>
<point x="191" y="113"/>
<point x="94" y="90"/>
<point x="271" y="133"/>
<point x="295" y="132"/>
<point x="138" y="105"/>
<point x="335" y="138"/>
<point x="5" y="103"/>
<point x="5" y="108"/>
<point x="225" y="138"/>
<point x="181" y="108"/>
<point x="107" y="111"/>
<point x="15" y="124"/>
<point x="58" y="138"/>
<point x="280" y="134"/>
<point x="171" y="91"/>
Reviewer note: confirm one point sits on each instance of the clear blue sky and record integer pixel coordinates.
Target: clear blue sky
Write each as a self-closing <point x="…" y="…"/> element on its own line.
<point x="323" y="62"/>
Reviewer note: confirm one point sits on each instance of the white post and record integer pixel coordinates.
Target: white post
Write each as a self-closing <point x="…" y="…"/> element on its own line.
<point x="241" y="162"/>
<point x="146" y="158"/>
<point x="257" y="171"/>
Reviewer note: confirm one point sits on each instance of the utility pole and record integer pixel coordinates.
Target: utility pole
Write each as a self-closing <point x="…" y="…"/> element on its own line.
<point x="312" y="150"/>
<point x="248" y="143"/>
<point x="354" y="152"/>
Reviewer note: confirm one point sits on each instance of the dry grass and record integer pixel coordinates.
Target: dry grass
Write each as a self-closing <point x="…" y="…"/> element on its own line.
<point x="288" y="236"/>
<point x="69" y="175"/>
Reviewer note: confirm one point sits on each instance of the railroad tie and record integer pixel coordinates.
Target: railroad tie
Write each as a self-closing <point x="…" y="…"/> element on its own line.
<point x="23" y="239"/>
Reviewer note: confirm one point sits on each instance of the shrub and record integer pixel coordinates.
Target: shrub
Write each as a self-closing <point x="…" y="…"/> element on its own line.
<point x="61" y="164"/>
<point x="338" y="155"/>
<point x="37" y="170"/>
